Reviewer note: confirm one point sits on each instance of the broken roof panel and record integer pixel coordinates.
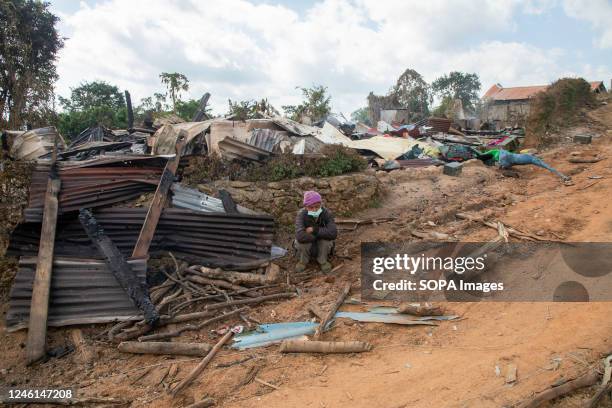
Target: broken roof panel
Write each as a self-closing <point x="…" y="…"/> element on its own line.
<point x="231" y="149"/>
<point x="36" y="143"/>
<point x="82" y="291"/>
<point x="294" y="127"/>
<point x="164" y="140"/>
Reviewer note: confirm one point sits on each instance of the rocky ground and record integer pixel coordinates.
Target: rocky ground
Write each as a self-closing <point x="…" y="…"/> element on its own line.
<point x="449" y="365"/>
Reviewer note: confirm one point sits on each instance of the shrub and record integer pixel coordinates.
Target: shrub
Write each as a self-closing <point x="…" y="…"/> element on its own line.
<point x="337" y="160"/>
<point x="560" y="105"/>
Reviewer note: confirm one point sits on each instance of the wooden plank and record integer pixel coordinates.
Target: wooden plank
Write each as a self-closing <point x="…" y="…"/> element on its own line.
<point x="200" y="367"/>
<point x="159" y="198"/>
<point x="332" y="312"/>
<point x="39" y="306"/>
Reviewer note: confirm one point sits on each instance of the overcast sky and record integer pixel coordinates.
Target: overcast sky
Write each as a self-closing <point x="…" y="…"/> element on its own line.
<point x="242" y="49"/>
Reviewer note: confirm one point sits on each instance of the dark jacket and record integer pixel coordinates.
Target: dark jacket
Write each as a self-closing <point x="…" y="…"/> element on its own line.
<point x="323" y="226"/>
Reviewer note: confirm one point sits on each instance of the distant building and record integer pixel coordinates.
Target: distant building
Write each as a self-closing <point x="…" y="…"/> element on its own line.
<point x="510" y="106"/>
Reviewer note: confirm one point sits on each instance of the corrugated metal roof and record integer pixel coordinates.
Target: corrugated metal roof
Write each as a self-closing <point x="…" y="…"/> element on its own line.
<point x="164" y="140"/>
<point x="439" y="124"/>
<point x="216" y="239"/>
<point x="184" y="197"/>
<point x="82" y="291"/>
<point x="267" y="139"/>
<point x="235" y="149"/>
<point x="88" y="187"/>
<point x="36" y="143"/>
<point x="516" y="93"/>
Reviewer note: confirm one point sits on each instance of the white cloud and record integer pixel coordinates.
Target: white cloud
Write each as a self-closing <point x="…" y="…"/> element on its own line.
<point x="598" y="13"/>
<point x="239" y="50"/>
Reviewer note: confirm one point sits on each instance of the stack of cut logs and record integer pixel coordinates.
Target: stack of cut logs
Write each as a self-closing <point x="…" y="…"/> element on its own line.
<point x="217" y="295"/>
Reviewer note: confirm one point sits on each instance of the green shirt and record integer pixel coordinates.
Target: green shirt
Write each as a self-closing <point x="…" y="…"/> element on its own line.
<point x="494" y="153"/>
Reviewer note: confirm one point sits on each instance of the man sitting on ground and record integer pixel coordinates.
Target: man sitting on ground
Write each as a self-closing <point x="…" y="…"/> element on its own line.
<point x="315" y="232"/>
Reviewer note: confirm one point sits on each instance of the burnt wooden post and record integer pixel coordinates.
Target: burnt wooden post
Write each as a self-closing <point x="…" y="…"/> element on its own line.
<point x="130" y="110"/>
<point x="116" y="262"/>
<point x="200" y="114"/>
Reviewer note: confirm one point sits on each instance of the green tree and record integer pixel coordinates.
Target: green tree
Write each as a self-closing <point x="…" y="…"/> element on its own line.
<point x="93" y="94"/>
<point x="91" y="104"/>
<point x="250" y="109"/>
<point x="175" y="83"/>
<point x="458" y="85"/>
<point x="413" y="93"/>
<point x="361" y="115"/>
<point x="316" y="104"/>
<point x="29" y="43"/>
<point x="186" y="109"/>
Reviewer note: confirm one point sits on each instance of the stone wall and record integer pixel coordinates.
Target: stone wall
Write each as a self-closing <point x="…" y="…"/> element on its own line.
<point x="342" y="194"/>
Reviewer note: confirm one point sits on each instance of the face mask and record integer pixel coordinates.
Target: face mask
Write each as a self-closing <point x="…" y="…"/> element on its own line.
<point x="315" y="213"/>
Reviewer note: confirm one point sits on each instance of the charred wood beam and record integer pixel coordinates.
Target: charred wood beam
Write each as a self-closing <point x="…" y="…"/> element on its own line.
<point x="135" y="288"/>
<point x="229" y="205"/>
<point x="130" y="110"/>
<point x="200" y="114"/>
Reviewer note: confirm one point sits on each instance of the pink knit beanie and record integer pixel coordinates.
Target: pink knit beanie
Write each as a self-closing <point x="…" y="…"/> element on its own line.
<point x="311" y="198"/>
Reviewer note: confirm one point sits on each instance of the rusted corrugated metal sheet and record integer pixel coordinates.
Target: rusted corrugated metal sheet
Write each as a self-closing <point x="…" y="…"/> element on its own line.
<point x="82" y="291"/>
<point x="215" y="239"/>
<point x="89" y="187"/>
<point x="439" y="124"/>
<point x="516" y="93"/>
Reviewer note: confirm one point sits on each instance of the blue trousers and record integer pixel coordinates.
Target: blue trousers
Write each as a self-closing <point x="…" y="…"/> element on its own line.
<point x="507" y="160"/>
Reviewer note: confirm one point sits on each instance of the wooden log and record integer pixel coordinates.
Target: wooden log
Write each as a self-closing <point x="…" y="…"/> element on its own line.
<point x="85" y="354"/>
<point x="205" y="403"/>
<point x="219" y="283"/>
<point x="240" y="278"/>
<point x="595" y="400"/>
<point x="41" y="288"/>
<point x="141" y="249"/>
<point x="332" y="312"/>
<point x="202" y="365"/>
<point x="425" y="309"/>
<point x="515" y="233"/>
<point x="130" y="110"/>
<point x="121" y="270"/>
<point x="588" y="379"/>
<point x="582" y="160"/>
<point x="164" y="347"/>
<point x="326" y="347"/>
